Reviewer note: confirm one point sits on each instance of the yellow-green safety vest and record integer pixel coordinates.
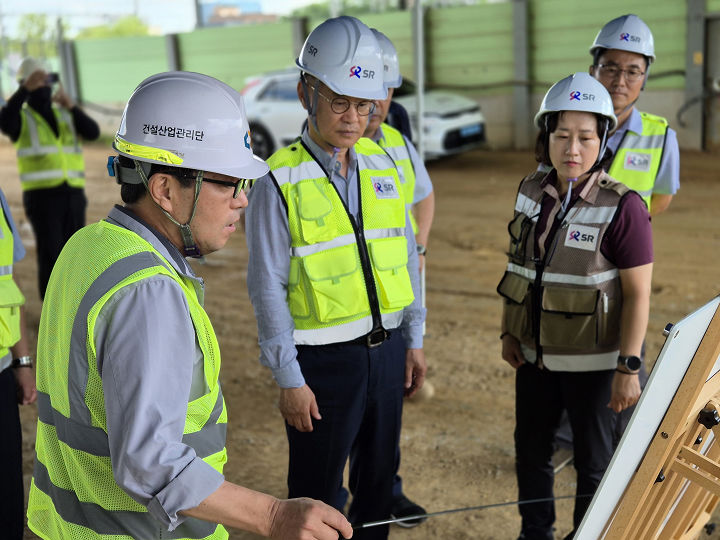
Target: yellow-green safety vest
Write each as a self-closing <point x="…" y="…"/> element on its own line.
<point x="10" y="296"/>
<point x="394" y="144"/>
<point x="44" y="160"/>
<point x="637" y="160"/>
<point x="73" y="493"/>
<point x="347" y="276"/>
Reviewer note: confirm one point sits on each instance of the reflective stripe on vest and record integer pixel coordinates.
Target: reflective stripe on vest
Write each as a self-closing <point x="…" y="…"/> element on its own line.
<point x="393" y="143"/>
<point x="637" y="160"/>
<point x="345" y="277"/>
<point x="10" y="296"/>
<point x="44" y="159"/>
<point x="64" y="496"/>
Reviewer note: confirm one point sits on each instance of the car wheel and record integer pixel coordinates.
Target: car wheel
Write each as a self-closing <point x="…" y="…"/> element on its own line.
<point x="262" y="144"/>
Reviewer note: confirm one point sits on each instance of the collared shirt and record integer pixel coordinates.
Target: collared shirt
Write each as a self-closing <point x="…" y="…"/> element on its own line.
<point x="151" y="366"/>
<point x="667" y="181"/>
<point x="423" y="184"/>
<point x="269" y="241"/>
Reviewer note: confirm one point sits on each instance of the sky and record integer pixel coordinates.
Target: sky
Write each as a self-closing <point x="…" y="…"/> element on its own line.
<point x="165" y="16"/>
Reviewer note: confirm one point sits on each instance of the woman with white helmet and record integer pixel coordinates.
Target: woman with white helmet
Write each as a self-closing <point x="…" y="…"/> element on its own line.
<point x="333" y="278"/>
<point x="576" y="298"/>
<point x="131" y="416"/>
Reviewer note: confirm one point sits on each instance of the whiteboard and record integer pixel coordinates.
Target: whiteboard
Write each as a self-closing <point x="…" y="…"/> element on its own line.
<point x="672" y="363"/>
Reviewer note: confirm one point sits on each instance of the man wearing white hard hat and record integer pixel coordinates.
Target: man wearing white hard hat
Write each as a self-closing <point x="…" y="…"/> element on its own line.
<point x="333" y="278"/>
<point x="645" y="153"/>
<point x="47" y="129"/>
<point x="420" y="202"/>
<point x="131" y="417"/>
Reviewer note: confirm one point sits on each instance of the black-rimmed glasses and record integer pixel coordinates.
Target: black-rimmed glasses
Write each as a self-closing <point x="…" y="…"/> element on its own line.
<point x="241" y="185"/>
<point x="339" y="105"/>
<point x="611" y="71"/>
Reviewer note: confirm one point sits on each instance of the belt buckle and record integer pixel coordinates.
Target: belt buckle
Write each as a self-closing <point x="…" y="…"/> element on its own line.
<point x="376" y="337"/>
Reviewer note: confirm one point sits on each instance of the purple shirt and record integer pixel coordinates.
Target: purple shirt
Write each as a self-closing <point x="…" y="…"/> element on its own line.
<point x="628" y="240"/>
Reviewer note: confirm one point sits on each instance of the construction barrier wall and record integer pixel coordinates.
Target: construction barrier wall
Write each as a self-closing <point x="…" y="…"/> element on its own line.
<point x="469" y="49"/>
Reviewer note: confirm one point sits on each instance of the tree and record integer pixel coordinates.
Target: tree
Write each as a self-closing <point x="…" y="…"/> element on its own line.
<point x="124" y="27"/>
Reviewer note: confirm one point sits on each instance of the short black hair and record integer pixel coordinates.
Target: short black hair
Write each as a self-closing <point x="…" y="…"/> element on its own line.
<point x="549" y="123"/>
<point x="132" y="193"/>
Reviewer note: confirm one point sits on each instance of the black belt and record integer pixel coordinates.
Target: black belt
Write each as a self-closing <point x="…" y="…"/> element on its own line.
<point x="374" y="339"/>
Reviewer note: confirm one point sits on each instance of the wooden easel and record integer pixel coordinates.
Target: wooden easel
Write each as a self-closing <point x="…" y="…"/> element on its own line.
<point x="677" y="485"/>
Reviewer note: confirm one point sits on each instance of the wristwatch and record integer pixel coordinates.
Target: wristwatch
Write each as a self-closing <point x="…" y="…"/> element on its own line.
<point x="22" y="361"/>
<point x="630" y="363"/>
<point x="421" y="249"/>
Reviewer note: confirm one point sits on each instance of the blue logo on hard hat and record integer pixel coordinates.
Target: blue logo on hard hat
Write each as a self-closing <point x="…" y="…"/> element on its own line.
<point x="575" y="96"/>
<point x="355" y="70"/>
<point x="625" y="36"/>
<point x="628" y="37"/>
<point x="246" y="140"/>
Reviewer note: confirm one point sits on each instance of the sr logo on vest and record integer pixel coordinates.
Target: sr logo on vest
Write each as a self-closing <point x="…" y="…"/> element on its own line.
<point x="582" y="237"/>
<point x="635" y="161"/>
<point x="385" y="187"/>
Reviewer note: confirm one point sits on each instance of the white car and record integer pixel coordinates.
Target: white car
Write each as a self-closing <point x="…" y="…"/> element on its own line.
<point x="452" y="123"/>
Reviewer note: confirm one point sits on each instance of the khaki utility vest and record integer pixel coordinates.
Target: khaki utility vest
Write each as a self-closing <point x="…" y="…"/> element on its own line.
<point x="566" y="301"/>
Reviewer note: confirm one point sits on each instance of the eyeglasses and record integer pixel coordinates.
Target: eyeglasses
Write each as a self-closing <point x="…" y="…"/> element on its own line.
<point x="242" y="184"/>
<point x="611" y="71"/>
<point x="340" y="104"/>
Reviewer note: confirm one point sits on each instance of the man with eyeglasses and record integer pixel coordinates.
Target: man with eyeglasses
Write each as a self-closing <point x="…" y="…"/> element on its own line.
<point x="645" y="154"/>
<point x="333" y="278"/>
<point x="131" y="416"/>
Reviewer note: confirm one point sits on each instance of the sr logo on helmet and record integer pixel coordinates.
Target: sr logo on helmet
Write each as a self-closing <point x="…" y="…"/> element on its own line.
<point x="360" y="73"/>
<point x="580" y="96"/>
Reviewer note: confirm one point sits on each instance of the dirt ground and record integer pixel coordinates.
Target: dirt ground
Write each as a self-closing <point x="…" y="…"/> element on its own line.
<point x="457" y="447"/>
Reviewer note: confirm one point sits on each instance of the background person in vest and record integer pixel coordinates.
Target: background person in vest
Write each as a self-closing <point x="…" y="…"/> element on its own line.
<point x="50" y="161"/>
<point x="17" y="379"/>
<point x="131" y="417"/>
<point x="333" y="278"/>
<point x="576" y="299"/>
<point x="645" y="154"/>
<point x="420" y="202"/>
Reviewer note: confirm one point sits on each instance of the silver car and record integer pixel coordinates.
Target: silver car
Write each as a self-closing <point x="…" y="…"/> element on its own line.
<point x="452" y="123"/>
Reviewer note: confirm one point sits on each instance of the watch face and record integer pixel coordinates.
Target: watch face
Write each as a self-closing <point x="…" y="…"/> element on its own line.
<point x="633" y="363"/>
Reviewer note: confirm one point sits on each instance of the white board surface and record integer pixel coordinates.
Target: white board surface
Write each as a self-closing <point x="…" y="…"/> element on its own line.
<point x="672" y="363"/>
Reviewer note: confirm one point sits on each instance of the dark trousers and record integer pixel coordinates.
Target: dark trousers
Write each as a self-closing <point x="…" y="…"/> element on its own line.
<point x="12" y="514"/>
<point x="541" y="396"/>
<point x="359" y="392"/>
<point x="55" y="215"/>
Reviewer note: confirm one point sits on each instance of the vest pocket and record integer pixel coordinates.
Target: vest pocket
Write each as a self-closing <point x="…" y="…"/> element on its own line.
<point x="519" y="228"/>
<point x="336" y="283"/>
<point x="12" y="299"/>
<point x="569" y="318"/>
<point x="314" y="208"/>
<point x="297" y="297"/>
<point x="389" y="257"/>
<point x="514" y="289"/>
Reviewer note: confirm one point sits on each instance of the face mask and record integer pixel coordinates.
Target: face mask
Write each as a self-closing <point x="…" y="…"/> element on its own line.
<point x="40" y="96"/>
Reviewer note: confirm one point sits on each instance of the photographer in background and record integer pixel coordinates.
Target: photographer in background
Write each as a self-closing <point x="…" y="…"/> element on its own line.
<point x="46" y="128"/>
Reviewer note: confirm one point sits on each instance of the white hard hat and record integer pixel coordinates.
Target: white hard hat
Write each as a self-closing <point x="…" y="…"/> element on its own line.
<point x="28" y="66"/>
<point x="391" y="66"/>
<point x="344" y="54"/>
<point x="627" y="33"/>
<point x="188" y="120"/>
<point x="578" y="92"/>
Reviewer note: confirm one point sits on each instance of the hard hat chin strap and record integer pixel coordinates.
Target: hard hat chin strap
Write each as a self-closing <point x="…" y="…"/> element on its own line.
<point x="311" y="104"/>
<point x="191" y="249"/>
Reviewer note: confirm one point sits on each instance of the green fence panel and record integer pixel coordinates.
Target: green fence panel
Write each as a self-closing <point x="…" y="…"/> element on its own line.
<point x="397" y="25"/>
<point x="234" y="53"/>
<point x="560" y="39"/>
<point x="470" y="46"/>
<point x="110" y="69"/>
